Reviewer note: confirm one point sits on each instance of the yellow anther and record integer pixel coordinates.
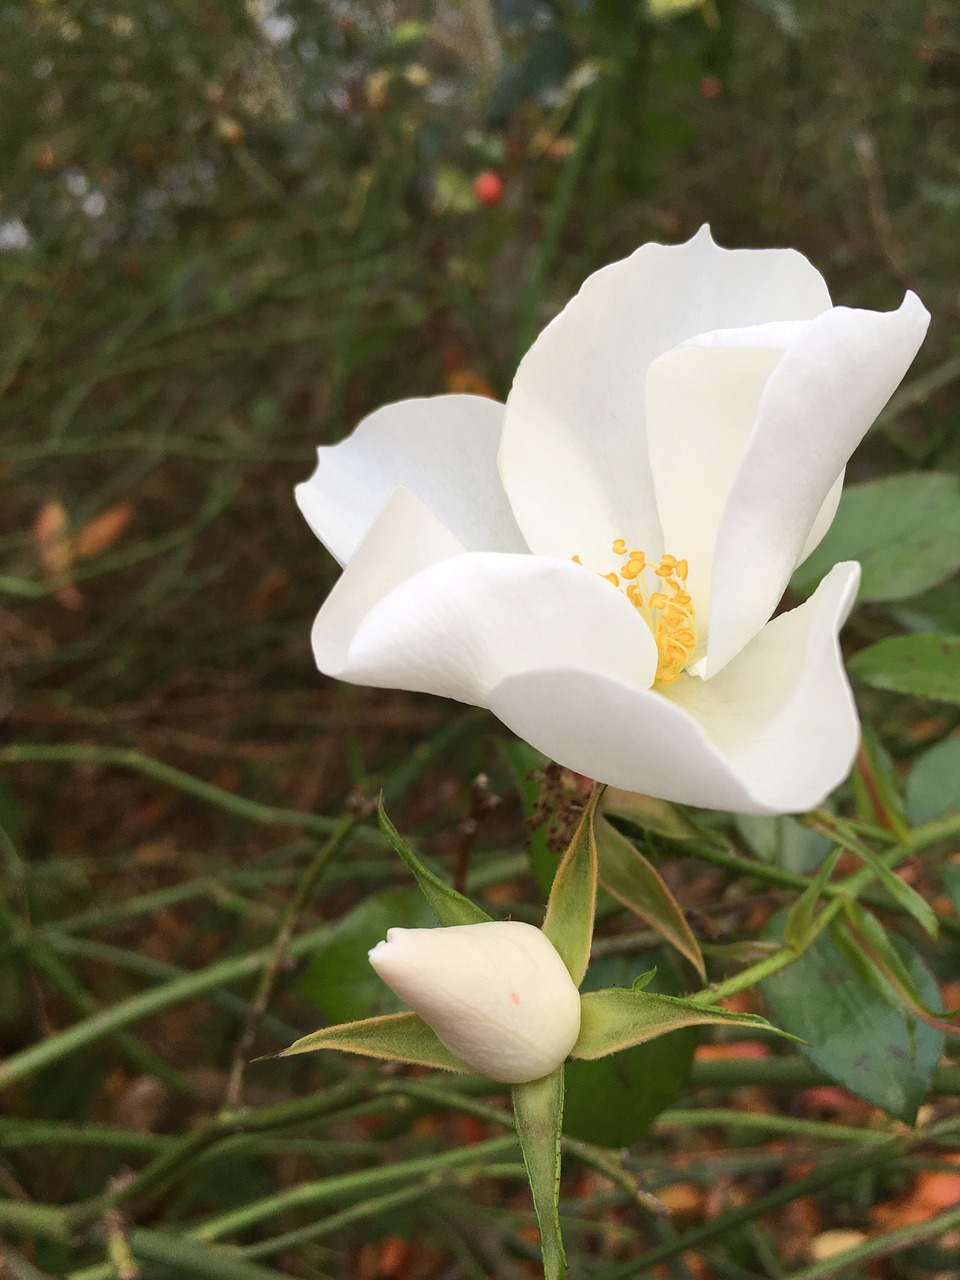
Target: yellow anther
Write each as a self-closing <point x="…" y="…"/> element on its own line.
<point x="668" y="612"/>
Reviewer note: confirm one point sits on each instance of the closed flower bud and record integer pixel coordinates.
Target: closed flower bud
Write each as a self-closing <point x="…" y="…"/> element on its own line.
<point x="497" y="994"/>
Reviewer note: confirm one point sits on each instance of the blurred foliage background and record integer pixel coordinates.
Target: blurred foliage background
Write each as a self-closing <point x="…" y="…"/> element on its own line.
<point x="228" y="229"/>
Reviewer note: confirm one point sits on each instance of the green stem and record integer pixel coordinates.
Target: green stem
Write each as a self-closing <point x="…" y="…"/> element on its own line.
<point x="120" y="757"/>
<point x="788" y="1072"/>
<point x="281" y="945"/>
<point x="881" y="1246"/>
<point x="161" y="971"/>
<point x="596" y="1158"/>
<point x="922" y="837"/>
<point x="936" y="832"/>
<point x="160" y="1171"/>
<point x="364" y="1182"/>
<point x="363" y="1211"/>
<point x="186" y="1257"/>
<point x="728" y="1118"/>
<point x="812" y="1183"/>
<point x="16" y="1133"/>
<point x="125" y="1012"/>
<point x="747" y="977"/>
<point x="43" y="959"/>
<point x="538" y="1108"/>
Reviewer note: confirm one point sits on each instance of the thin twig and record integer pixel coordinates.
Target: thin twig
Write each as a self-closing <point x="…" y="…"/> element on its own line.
<point x="234" y="1091"/>
<point x="482" y="803"/>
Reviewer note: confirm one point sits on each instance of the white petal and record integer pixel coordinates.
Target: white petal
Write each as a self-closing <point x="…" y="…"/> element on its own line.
<point x="775" y="733"/>
<point x="405" y="539"/>
<point x="498" y="994"/>
<point x="701" y="406"/>
<point x="462" y="625"/>
<point x="574" y="454"/>
<point x="818" y="403"/>
<point x="824" y="518"/>
<point x="782" y="712"/>
<point x="443" y="449"/>
<point x="702" y="403"/>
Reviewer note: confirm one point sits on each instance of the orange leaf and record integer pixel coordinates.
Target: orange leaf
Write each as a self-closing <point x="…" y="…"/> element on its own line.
<point x="102" y="531"/>
<point x="52" y="540"/>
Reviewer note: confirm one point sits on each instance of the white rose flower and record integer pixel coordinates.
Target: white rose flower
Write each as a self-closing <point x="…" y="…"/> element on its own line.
<point x="497" y="994"/>
<point x="599" y="561"/>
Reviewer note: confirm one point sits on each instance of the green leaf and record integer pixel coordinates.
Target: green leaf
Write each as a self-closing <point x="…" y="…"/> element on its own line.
<point x="573" y="899"/>
<point x="884" y="1055"/>
<point x="784" y="842"/>
<point x="799" y="919"/>
<point x="904" y="529"/>
<point x="636" y="883"/>
<point x="449" y="906"/>
<point x="643" y="980"/>
<point x="538" y="1108"/>
<point x="339" y="978"/>
<point x="933" y="784"/>
<point x="864" y="932"/>
<point x="654" y="815"/>
<point x="398" y="1037"/>
<point x="613" y="1101"/>
<point x="900" y="891"/>
<point x="937" y="610"/>
<point x="525" y="761"/>
<point x="877" y="785"/>
<point x="928" y="665"/>
<point x="619" y="1017"/>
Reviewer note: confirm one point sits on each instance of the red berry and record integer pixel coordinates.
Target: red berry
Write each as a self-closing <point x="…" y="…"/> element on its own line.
<point x="488" y="187"/>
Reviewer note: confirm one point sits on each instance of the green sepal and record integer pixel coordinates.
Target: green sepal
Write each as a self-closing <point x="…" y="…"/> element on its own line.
<point x="450" y="906"/>
<point x="658" y="816"/>
<point x="618" y="1017"/>
<point x="635" y="882"/>
<point x="573" y="899"/>
<point x="398" y="1037"/>
<point x="538" y="1110"/>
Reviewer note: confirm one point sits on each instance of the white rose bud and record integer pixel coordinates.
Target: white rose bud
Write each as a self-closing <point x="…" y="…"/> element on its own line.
<point x="497" y="994"/>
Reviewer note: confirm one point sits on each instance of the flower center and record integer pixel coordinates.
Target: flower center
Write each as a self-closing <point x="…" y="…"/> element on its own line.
<point x="667" y="609"/>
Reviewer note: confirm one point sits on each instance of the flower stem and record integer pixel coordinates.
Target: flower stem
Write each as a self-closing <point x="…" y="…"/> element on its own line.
<point x="765" y="968"/>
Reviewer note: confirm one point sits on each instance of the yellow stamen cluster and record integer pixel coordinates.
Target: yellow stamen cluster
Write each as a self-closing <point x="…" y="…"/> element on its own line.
<point x="668" y="611"/>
